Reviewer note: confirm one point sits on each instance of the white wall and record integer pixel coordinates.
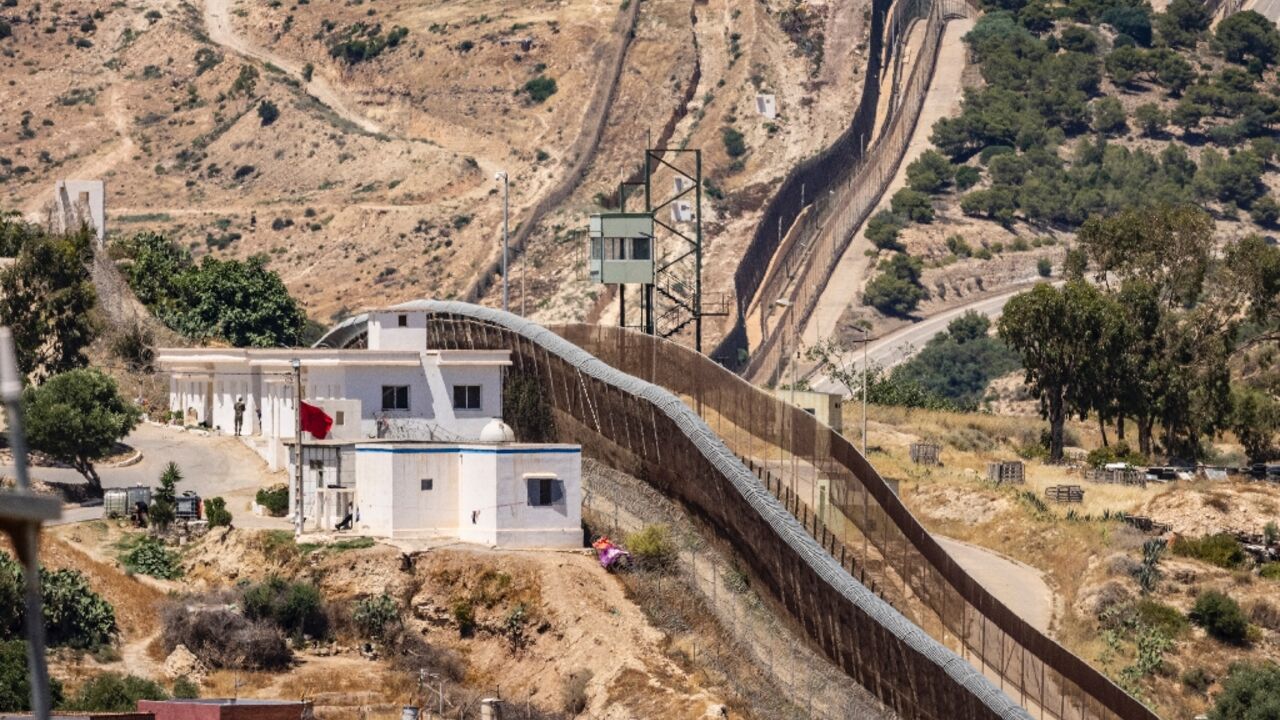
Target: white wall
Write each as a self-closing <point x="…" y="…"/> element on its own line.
<point x="385" y="332"/>
<point x="479" y="493"/>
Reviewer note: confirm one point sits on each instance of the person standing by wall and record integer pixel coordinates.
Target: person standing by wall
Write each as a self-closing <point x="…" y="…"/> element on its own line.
<point x="239" y="408"/>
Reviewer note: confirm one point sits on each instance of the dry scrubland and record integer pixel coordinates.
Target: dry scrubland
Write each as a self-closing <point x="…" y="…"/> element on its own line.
<point x="552" y="630"/>
<point x="1088" y="562"/>
<point x="387" y="191"/>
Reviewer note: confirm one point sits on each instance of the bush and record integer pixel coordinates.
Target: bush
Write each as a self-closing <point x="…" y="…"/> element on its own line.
<point x="1265" y="211"/>
<point x="184" y="689"/>
<point x="375" y="616"/>
<point x="913" y="205"/>
<point x="225" y="639"/>
<point x="216" y="512"/>
<point x="74" y="615"/>
<point x="15" y="680"/>
<point x="540" y="88"/>
<point x="274" y="498"/>
<point x="1222" y="550"/>
<point x="1108" y="116"/>
<point x="1197" y="680"/>
<point x="735" y="144"/>
<point x="882" y="230"/>
<point x="967" y="176"/>
<point x="113" y="692"/>
<point x="1248" y="37"/>
<point x="1044" y="267"/>
<point x="897" y="289"/>
<point x="295" y="608"/>
<point x="1270" y="571"/>
<point x="930" y="173"/>
<point x="1220" y="616"/>
<point x="150" y="557"/>
<point x="1162" y="617"/>
<point x="1251" y="692"/>
<point x="652" y="547"/>
<point x="268" y="112"/>
<point x="1151" y="119"/>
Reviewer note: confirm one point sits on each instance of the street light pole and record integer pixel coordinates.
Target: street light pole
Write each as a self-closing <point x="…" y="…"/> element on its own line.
<point x="297" y="428"/>
<point x="506" y="184"/>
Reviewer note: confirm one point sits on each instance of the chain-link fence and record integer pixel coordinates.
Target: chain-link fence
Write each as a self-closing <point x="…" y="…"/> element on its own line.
<point x="811" y="687"/>
<point x="815" y="524"/>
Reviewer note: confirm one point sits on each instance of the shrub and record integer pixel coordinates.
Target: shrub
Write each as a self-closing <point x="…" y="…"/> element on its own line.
<point x="896" y="290"/>
<point x="74" y="615"/>
<point x="882" y="230"/>
<point x="652" y="547"/>
<point x="735" y="145"/>
<point x="114" y="692"/>
<point x="1151" y="119"/>
<point x="930" y="173"/>
<point x="374" y="616"/>
<point x="225" y="639"/>
<point x="1044" y="266"/>
<point x="268" y="112"/>
<point x="957" y="245"/>
<point x="295" y="607"/>
<point x="1197" y="680"/>
<point x="1251" y="692"/>
<point x="912" y="205"/>
<point x="216" y="512"/>
<point x="967" y="176"/>
<point x="540" y="88"/>
<point x="1265" y="614"/>
<point x="1162" y="617"/>
<point x="1108" y="116"/>
<point x="1265" y="211"/>
<point x="150" y="557"/>
<point x="1220" y="616"/>
<point x="274" y="498"/>
<point x="184" y="689"/>
<point x="15" y="680"/>
<point x="1222" y="550"/>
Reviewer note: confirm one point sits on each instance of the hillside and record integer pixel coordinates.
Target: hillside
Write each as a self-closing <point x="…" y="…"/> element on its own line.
<point x="1088" y="556"/>
<point x="356" y="144"/>
<point x="1071" y="110"/>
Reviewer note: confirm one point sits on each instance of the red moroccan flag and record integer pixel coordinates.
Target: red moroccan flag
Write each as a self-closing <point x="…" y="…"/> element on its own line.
<point x="315" y="421"/>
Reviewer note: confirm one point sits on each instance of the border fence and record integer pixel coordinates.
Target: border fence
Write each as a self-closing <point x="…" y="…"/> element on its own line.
<point x="846" y="183"/>
<point x="686" y="426"/>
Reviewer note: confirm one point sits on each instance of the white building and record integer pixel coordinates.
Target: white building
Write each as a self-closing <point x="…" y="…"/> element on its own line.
<point x="414" y="450"/>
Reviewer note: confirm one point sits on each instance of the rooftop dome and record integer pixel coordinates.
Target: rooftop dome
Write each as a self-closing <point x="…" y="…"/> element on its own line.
<point x="497" y="431"/>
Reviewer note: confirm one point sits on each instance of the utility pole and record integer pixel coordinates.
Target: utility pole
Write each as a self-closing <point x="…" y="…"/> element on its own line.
<point x="297" y="423"/>
<point x="506" y="184"/>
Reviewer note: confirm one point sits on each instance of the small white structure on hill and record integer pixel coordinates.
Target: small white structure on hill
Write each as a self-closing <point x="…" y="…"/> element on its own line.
<point x="416" y="448"/>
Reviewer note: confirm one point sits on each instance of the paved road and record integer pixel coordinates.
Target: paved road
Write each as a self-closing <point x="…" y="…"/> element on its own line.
<point x="1019" y="586"/>
<point x="210" y="466"/>
<point x="901" y="344"/>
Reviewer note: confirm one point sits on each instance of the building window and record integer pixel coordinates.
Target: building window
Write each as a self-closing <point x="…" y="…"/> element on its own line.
<point x="640" y="248"/>
<point x="466" y="397"/>
<point x="339" y="418"/>
<point x="403" y="321"/>
<point x="427" y="484"/>
<point x="545" y="491"/>
<point x="395" y="397"/>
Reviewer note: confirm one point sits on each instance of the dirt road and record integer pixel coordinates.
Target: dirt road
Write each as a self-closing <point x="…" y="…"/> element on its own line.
<point x="217" y="18"/>
<point x="1019" y="586"/>
<point x="942" y="100"/>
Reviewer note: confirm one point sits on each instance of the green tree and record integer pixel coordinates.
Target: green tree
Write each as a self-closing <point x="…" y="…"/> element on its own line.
<point x="930" y="173"/>
<point x="1251" y="692"/>
<point x="882" y="230"/>
<point x="1248" y="37"/>
<point x="1125" y="64"/>
<point x="1221" y="616"/>
<point x="960" y="363"/>
<point x="1151" y="119"/>
<point x="216" y="512"/>
<point x="1108" y="116"/>
<point x="242" y="302"/>
<point x="78" y="417"/>
<point x="1183" y="22"/>
<point x="540" y="88"/>
<point x="1265" y="211"/>
<point x="897" y="289"/>
<point x="15" y="680"/>
<point x="1255" y="418"/>
<point x="114" y="692"/>
<point x="1130" y="20"/>
<point x="1060" y="358"/>
<point x="164" y="501"/>
<point x="47" y="300"/>
<point x="913" y="205"/>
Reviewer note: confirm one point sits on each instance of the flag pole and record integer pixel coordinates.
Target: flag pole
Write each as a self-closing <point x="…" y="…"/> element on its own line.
<point x="297" y="422"/>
